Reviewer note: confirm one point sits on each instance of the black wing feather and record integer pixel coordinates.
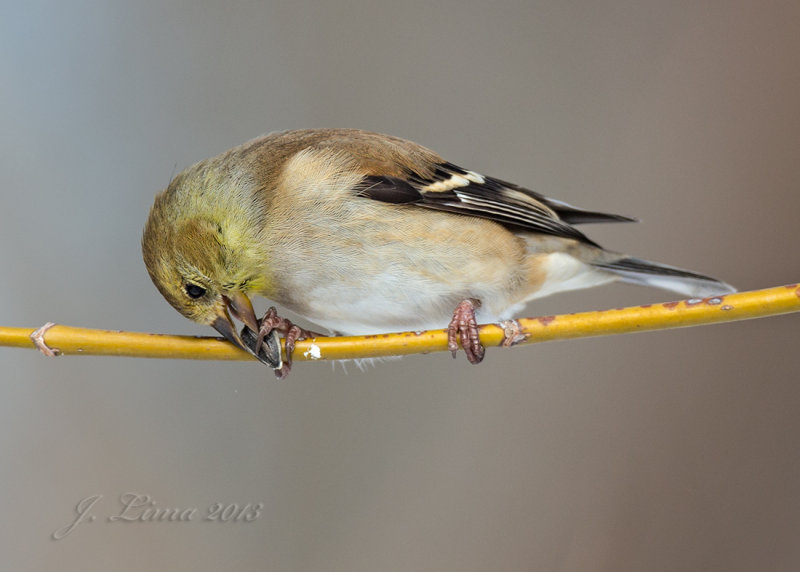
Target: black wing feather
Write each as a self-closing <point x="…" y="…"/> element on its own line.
<point x="485" y="197"/>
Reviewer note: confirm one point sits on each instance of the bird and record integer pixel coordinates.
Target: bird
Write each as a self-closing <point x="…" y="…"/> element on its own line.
<point x="365" y="233"/>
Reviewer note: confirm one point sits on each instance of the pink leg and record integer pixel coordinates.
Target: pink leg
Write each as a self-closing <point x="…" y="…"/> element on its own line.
<point x="464" y="328"/>
<point x="292" y="333"/>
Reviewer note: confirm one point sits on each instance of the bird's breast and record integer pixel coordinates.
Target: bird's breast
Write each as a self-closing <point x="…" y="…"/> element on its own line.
<point x="395" y="268"/>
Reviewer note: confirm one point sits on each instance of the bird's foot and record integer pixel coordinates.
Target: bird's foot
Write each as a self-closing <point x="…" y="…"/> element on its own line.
<point x="291" y="332"/>
<point x="464" y="328"/>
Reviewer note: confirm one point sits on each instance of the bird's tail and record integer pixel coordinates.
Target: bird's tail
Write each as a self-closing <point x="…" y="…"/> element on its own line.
<point x="646" y="273"/>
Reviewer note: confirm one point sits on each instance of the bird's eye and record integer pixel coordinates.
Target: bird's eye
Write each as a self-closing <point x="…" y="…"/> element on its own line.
<point x="194" y="291"/>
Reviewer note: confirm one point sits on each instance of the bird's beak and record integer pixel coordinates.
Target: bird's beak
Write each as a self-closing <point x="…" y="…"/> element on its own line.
<point x="238" y="304"/>
<point x="224" y="325"/>
<point x="241" y="308"/>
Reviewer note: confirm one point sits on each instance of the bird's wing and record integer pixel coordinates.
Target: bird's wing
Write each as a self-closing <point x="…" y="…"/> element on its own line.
<point x="448" y="187"/>
<point x="402" y="172"/>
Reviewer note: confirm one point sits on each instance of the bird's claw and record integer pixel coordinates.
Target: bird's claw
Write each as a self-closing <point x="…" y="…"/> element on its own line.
<point x="270" y="323"/>
<point x="464" y="328"/>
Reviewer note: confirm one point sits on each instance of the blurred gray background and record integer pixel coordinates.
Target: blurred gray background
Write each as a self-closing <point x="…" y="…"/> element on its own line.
<point x="665" y="451"/>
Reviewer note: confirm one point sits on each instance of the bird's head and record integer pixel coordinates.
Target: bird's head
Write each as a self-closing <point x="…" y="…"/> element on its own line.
<point x="196" y="266"/>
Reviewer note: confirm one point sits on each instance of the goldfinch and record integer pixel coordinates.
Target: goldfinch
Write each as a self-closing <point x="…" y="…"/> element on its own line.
<point x="365" y="233"/>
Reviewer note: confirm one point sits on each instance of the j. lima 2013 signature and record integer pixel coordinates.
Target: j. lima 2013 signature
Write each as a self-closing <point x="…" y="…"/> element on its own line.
<point x="137" y="507"/>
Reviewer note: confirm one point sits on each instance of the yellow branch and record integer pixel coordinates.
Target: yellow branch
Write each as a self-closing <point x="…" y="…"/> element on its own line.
<point x="67" y="340"/>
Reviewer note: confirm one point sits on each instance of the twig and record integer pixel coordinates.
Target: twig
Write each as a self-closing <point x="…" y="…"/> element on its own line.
<point x="66" y="340"/>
